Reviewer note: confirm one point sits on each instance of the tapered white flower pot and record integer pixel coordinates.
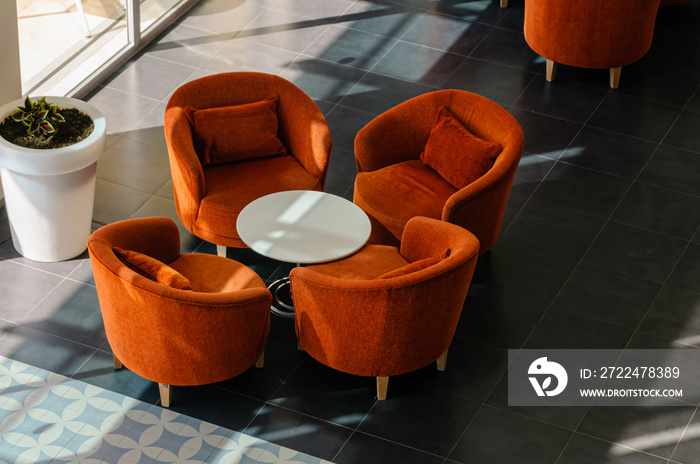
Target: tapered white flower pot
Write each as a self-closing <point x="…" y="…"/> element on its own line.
<point x="49" y="194"/>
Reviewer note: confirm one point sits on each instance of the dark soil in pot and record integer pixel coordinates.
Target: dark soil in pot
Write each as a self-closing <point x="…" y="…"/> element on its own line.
<point x="77" y="126"/>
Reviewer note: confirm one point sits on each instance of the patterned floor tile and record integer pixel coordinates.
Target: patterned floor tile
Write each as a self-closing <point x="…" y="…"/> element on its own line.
<point x="47" y="417"/>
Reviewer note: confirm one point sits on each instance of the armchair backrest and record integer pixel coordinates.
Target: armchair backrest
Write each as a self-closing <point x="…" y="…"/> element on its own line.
<point x="384" y="327"/>
<point x="301" y="123"/>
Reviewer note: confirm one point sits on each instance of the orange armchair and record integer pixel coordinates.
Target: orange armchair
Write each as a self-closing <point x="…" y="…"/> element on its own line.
<point x="590" y="33"/>
<point x="393" y="185"/>
<point x="382" y="312"/>
<point x="208" y="196"/>
<point x="163" y="332"/>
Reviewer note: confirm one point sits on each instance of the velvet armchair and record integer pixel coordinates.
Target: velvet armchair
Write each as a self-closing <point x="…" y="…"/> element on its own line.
<point x="394" y="184"/>
<point x="235" y="137"/>
<point x="383" y="311"/>
<point x="590" y="33"/>
<point x="176" y="319"/>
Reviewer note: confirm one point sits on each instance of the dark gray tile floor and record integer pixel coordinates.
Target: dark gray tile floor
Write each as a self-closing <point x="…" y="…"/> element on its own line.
<point x="600" y="246"/>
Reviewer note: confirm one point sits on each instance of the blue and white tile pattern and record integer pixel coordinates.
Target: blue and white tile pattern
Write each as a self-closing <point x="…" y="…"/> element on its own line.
<point x="48" y="418"/>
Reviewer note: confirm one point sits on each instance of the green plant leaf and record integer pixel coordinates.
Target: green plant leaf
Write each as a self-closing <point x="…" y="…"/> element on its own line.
<point x="34" y="128"/>
<point x="38" y="116"/>
<point x="18" y="115"/>
<point x="47" y="127"/>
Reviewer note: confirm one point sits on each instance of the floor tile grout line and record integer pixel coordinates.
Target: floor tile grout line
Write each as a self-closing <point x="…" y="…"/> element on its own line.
<point x="14" y="261"/>
<point x="390" y="441"/>
<point x="331" y="24"/>
<point x="633" y="180"/>
<point x="687" y="427"/>
<point x="335" y="456"/>
<point x="466" y="429"/>
<point x="357" y="428"/>
<point x="63" y="278"/>
<point x="115" y="89"/>
<point x="267" y="401"/>
<point x="573" y="271"/>
<point x="335" y="105"/>
<point x="608" y="220"/>
<point x="615" y="221"/>
<point x="638" y="329"/>
<point x="19" y="324"/>
<point x="622" y="445"/>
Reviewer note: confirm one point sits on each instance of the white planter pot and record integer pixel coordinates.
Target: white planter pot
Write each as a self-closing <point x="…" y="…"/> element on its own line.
<point x="49" y="194"/>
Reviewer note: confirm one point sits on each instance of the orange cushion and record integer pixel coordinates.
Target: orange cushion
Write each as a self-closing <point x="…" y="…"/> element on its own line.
<point x="153" y="269"/>
<point x="455" y="153"/>
<point x="234" y="133"/>
<point x="398" y="192"/>
<point x="230" y="187"/>
<point x="214" y="274"/>
<point x="410" y="268"/>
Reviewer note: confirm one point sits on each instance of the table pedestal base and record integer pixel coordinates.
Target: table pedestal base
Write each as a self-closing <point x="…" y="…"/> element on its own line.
<point x="282" y="303"/>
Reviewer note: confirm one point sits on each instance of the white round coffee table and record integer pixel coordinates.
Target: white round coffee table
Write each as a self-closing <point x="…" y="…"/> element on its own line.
<point x="302" y="227"/>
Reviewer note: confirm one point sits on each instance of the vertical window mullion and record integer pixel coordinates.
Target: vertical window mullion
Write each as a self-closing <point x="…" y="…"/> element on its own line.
<point x="9" y="53"/>
<point x="133" y="21"/>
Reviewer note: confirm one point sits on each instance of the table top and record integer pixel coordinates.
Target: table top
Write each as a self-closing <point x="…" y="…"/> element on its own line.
<point x="303" y="226"/>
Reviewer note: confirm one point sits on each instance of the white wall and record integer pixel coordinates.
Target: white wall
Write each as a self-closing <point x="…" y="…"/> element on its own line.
<point x="10" y="79"/>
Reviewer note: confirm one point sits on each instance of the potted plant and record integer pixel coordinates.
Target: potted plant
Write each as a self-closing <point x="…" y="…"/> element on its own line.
<point x="48" y="168"/>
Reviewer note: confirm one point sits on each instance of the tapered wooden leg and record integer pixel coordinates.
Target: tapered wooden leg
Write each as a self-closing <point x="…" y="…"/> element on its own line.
<point x="166" y="394"/>
<point x="615" y="77"/>
<point x="260" y="361"/>
<point x="442" y="361"/>
<point x="221" y="250"/>
<point x="551" y="70"/>
<point x="504" y="3"/>
<point x="117" y="363"/>
<point x="382" y="386"/>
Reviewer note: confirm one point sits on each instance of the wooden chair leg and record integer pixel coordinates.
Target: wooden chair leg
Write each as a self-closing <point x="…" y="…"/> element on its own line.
<point x="504" y="3"/>
<point x="117" y="363"/>
<point x="166" y="394"/>
<point x="299" y="347"/>
<point x="382" y="386"/>
<point x="615" y="77"/>
<point x="260" y="361"/>
<point x="221" y="250"/>
<point x="442" y="361"/>
<point x="551" y="70"/>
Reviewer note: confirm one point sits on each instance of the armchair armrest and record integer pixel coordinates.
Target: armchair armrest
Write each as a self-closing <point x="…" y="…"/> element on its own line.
<point x="157" y="237"/>
<point x="430" y="238"/>
<point x="305" y="132"/>
<point x="480" y="206"/>
<point x="185" y="166"/>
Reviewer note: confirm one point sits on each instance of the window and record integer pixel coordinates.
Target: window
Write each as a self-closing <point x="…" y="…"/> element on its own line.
<point x="67" y="46"/>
